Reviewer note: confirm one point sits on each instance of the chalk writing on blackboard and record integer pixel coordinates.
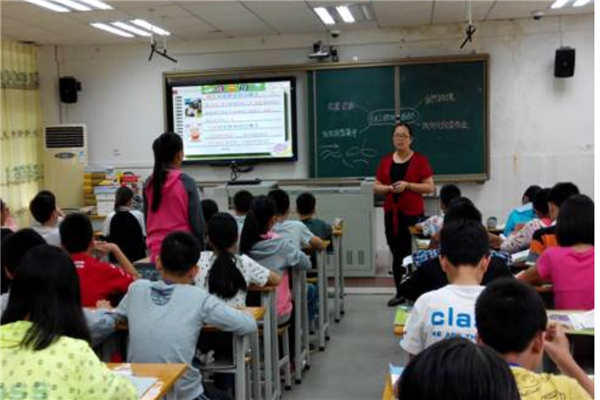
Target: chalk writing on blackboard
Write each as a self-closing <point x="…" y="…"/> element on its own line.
<point x="440" y="98"/>
<point x="341" y="106"/>
<point x="444" y="125"/>
<point x="340" y="133"/>
<point x="354" y="155"/>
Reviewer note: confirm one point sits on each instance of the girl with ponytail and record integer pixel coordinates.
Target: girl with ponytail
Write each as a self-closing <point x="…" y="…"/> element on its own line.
<point x="271" y="250"/>
<point x="225" y="274"/>
<point x="171" y="199"/>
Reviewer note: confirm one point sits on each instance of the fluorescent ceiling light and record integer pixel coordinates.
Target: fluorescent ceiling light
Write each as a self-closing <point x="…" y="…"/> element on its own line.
<point x="131" y="29"/>
<point x="74" y="5"/>
<point x="559" y="4"/>
<point x="48" y="5"/>
<point x="345" y="14"/>
<point x="111" y="29"/>
<point x="581" y="3"/>
<point x="97" y="4"/>
<point x="324" y="15"/>
<point x="152" y="28"/>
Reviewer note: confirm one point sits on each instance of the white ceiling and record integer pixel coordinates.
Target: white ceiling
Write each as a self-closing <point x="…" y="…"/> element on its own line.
<point x="197" y="20"/>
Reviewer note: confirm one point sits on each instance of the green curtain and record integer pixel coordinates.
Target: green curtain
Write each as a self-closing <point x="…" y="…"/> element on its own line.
<point x="21" y="165"/>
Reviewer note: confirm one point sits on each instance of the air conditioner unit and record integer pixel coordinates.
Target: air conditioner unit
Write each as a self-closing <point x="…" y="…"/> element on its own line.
<point x="65" y="157"/>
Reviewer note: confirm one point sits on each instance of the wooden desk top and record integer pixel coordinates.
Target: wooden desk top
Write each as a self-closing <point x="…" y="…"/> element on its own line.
<point x="326" y="243"/>
<point x="256" y="312"/>
<point x="338" y="232"/>
<point x="387" y="389"/>
<point x="268" y="288"/>
<point x="167" y="375"/>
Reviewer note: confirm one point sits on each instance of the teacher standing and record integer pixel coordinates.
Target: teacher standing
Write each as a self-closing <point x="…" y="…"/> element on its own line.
<point x="404" y="177"/>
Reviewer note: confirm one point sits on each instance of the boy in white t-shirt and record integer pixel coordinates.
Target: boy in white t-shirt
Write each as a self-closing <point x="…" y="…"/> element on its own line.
<point x="47" y="216"/>
<point x="450" y="311"/>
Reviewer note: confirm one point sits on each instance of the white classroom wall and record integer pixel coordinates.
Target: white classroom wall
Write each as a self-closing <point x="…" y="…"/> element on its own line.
<point x="541" y="127"/>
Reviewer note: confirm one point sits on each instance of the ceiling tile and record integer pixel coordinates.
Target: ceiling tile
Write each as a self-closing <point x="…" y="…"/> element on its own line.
<point x="509" y="9"/>
<point x="279" y="16"/>
<point x="402" y="13"/>
<point x="451" y="11"/>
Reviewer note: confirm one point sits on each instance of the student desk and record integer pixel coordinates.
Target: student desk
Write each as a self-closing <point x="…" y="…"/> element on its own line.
<point x="270" y="343"/>
<point x="167" y="375"/>
<point x="339" y="291"/>
<point x="581" y="340"/>
<point x="323" y="324"/>
<point x="388" y="393"/>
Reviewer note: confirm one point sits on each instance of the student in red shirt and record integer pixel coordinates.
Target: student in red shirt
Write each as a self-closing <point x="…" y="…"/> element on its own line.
<point x="98" y="280"/>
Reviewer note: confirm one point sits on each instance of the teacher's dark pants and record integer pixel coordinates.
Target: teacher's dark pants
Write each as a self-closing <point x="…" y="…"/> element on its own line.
<point x="400" y="242"/>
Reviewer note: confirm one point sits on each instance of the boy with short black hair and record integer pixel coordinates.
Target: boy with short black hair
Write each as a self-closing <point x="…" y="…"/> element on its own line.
<point x="450" y="311"/>
<point x="98" y="280"/>
<point x="306" y="208"/>
<point x="512" y="320"/>
<point x="44" y="211"/>
<point x="165" y="317"/>
<point x="295" y="231"/>
<point x="433" y="225"/>
<point x="546" y="237"/>
<point x="242" y="202"/>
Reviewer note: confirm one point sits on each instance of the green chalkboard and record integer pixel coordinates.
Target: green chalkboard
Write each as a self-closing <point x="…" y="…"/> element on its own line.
<point x="352" y="111"/>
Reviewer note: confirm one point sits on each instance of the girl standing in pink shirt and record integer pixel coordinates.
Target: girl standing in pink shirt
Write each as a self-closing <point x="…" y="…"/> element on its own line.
<point x="570" y="267"/>
<point x="171" y="199"/>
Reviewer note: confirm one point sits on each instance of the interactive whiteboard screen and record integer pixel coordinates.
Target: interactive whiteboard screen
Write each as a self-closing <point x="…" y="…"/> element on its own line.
<point x="237" y="121"/>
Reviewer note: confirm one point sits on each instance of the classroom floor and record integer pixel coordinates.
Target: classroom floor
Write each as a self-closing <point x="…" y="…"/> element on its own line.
<point x="354" y="364"/>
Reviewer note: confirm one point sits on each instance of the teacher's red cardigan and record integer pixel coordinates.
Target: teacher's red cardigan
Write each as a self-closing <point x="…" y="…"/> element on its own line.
<point x="409" y="202"/>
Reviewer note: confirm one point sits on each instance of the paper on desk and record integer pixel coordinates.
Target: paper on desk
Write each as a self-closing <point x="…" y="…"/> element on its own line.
<point x="141" y="383"/>
<point x="407" y="261"/>
<point x="520" y="256"/>
<point x="395" y="373"/>
<point x="576" y="321"/>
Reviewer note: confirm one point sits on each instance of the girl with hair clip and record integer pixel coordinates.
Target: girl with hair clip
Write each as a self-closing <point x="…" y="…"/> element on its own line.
<point x="171" y="199"/>
<point x="224" y="273"/>
<point x="272" y="251"/>
<point x="45" y="342"/>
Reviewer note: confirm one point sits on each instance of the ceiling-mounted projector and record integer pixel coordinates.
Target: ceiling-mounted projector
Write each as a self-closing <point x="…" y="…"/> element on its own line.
<point x="318" y="52"/>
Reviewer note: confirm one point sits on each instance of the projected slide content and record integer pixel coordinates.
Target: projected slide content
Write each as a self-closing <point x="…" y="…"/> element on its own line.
<point x="234" y="121"/>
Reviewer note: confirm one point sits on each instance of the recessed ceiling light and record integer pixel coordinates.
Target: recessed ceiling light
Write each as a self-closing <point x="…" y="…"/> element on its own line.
<point x="131" y="29"/>
<point x="48" y="5"/>
<point x="324" y="15"/>
<point x="345" y="14"/>
<point x="97" y="4"/>
<point x="74" y="5"/>
<point x="559" y="4"/>
<point x="111" y="29"/>
<point x="152" y="28"/>
<point x="580" y="3"/>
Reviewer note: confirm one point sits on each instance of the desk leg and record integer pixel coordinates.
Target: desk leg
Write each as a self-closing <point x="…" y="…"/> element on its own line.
<point x="255" y="349"/>
<point x="240" y="367"/>
<point x="274" y="346"/>
<point x="297" y="325"/>
<point x="322" y="297"/>
<point x="342" y="281"/>
<point x="305" y="328"/>
<point x="336" y="278"/>
<point x="265" y="301"/>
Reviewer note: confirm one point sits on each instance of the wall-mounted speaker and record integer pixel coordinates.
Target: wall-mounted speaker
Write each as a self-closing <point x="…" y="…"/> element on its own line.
<point x="564" y="62"/>
<point x="68" y="88"/>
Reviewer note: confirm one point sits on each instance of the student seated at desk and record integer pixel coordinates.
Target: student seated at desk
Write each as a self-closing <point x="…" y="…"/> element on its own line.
<point x="521" y="240"/>
<point x="165" y="317"/>
<point x="429" y="274"/>
<point x="512" y="320"/>
<point x="523" y="214"/>
<point x="306" y="208"/>
<point x="545" y="238"/>
<point x="450" y="311"/>
<point x="456" y="368"/>
<point x="209" y="208"/>
<point x="44" y="338"/>
<point x="125" y="226"/>
<point x="272" y="251"/>
<point x="47" y="215"/>
<point x="99" y="280"/>
<point x="224" y="273"/>
<point x="242" y="201"/>
<point x="433" y="225"/>
<point x="570" y="267"/>
<point x="14" y="249"/>
<point x="295" y="231"/>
